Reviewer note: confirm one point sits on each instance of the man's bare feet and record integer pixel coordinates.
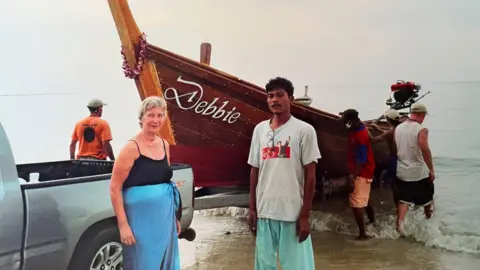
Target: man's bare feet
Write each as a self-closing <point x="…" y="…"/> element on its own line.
<point x="400" y="227"/>
<point x="428" y="210"/>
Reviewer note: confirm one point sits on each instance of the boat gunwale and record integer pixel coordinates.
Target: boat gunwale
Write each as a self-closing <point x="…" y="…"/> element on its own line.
<point x="152" y="49"/>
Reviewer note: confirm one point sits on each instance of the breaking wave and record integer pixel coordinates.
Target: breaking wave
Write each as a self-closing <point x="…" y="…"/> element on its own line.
<point x="454" y="227"/>
<point x="432" y="233"/>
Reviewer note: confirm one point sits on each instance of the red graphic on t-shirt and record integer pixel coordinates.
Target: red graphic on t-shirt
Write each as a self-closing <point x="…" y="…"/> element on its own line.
<point x="280" y="150"/>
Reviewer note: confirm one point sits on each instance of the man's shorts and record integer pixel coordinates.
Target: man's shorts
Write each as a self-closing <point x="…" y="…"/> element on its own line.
<point x="278" y="240"/>
<point x="418" y="193"/>
<point x="361" y="192"/>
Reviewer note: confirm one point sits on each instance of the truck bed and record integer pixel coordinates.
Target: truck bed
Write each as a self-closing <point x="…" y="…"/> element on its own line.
<point x="59" y="170"/>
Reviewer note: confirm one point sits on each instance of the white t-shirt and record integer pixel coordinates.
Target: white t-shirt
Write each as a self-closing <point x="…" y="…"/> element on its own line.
<point x="280" y="156"/>
<point x="411" y="166"/>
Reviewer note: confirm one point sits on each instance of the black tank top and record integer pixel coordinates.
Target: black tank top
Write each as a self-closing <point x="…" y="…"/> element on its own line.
<point x="147" y="171"/>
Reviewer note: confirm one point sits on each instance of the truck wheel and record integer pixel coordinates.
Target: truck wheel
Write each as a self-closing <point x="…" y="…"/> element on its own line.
<point x="100" y="249"/>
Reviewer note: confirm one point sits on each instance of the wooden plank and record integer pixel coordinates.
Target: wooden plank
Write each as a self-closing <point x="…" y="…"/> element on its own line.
<point x="239" y="128"/>
<point x="185" y="135"/>
<point x="220" y="83"/>
<point x="206" y="95"/>
<point x="200" y="126"/>
<point x="190" y="66"/>
<point x="217" y="82"/>
<point x="239" y="92"/>
<point x="214" y="165"/>
<point x="205" y="53"/>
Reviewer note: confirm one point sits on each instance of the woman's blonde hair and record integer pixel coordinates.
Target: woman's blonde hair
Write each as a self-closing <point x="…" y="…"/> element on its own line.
<point x="150" y="103"/>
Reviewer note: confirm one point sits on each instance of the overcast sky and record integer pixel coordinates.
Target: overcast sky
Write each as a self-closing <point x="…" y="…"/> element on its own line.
<point x="310" y="41"/>
<point x="72" y="46"/>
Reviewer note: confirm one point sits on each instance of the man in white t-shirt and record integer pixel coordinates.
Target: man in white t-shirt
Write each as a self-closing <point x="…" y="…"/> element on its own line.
<point x="283" y="155"/>
<point x="415" y="173"/>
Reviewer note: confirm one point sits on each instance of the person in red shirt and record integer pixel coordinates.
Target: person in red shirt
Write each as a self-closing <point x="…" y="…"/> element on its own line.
<point x="361" y="165"/>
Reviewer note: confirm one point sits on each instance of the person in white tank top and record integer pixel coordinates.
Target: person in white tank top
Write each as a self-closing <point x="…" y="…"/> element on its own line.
<point x="411" y="165"/>
<point x="415" y="173"/>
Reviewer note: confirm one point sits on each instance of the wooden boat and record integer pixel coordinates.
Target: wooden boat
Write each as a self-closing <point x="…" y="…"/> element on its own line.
<point x="211" y="114"/>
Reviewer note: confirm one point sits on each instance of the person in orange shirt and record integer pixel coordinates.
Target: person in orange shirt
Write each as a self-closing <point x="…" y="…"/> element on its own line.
<point x="93" y="134"/>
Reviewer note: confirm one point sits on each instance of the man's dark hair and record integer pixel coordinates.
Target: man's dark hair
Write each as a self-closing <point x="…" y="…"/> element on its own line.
<point x="350" y="115"/>
<point x="280" y="83"/>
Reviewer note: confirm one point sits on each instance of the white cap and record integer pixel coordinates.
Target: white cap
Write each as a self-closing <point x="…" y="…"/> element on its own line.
<point x="96" y="103"/>
<point x="418" y="108"/>
<point x="393" y="114"/>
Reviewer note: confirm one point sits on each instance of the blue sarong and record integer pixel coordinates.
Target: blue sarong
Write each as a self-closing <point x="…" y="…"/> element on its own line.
<point x="150" y="213"/>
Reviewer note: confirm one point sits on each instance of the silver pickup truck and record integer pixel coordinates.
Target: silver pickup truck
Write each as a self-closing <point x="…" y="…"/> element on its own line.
<point x="58" y="215"/>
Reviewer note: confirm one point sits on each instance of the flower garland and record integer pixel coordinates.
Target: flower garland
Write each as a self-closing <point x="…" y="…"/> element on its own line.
<point x="129" y="73"/>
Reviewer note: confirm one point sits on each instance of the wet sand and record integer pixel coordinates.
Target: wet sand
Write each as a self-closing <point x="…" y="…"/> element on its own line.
<point x="226" y="243"/>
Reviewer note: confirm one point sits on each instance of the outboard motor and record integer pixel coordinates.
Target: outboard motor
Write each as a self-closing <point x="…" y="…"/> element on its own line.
<point x="404" y="91"/>
<point x="404" y="94"/>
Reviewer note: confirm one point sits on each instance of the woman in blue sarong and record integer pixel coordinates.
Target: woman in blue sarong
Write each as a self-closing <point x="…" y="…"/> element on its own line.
<point x="144" y="198"/>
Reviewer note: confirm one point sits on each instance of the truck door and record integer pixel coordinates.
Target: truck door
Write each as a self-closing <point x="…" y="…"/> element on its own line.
<point x="11" y="208"/>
